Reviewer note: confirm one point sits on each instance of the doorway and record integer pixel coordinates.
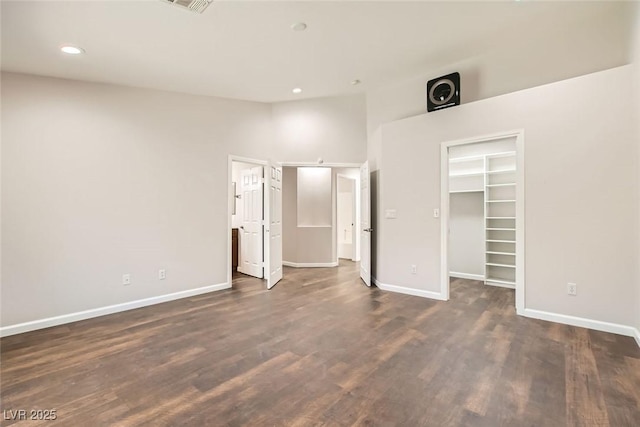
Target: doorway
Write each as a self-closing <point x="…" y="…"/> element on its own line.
<point x="247" y="217"/>
<point x="255" y="219"/>
<point x="321" y="214"/>
<point x="346" y="217"/>
<point x="482" y="202"/>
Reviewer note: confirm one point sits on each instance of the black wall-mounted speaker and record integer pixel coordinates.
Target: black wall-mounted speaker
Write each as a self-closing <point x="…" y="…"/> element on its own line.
<point x="443" y="92"/>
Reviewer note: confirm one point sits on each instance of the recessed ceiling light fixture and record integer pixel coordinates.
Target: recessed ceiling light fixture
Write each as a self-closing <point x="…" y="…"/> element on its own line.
<point x="296" y="90"/>
<point x="72" y="50"/>
<point x="355" y="82"/>
<point x="299" y="26"/>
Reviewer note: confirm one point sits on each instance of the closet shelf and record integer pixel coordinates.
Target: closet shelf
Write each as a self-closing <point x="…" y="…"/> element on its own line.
<point x="502" y="154"/>
<point x="500" y="201"/>
<point x="466" y="191"/>
<point x="502" y="229"/>
<point x="501" y="217"/>
<point x="500" y="171"/>
<point x="493" y="264"/>
<point x="511" y="184"/>
<point x="459" y="174"/>
<point x="501" y="241"/>
<point x="466" y="158"/>
<point x="501" y="253"/>
<point x="500" y="282"/>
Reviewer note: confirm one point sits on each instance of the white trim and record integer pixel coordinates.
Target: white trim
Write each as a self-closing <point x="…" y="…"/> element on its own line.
<point x="19" y="328"/>
<point x="582" y="322"/>
<point x="466" y="275"/>
<point x="408" y="291"/>
<point x="309" y="264"/>
<point x="321" y="165"/>
<point x="444" y="220"/>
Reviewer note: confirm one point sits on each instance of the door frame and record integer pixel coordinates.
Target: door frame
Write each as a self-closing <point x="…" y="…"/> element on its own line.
<point x="230" y="200"/>
<point x="520" y="211"/>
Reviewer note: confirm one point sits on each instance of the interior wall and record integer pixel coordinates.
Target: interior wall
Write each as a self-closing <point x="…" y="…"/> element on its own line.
<point x="333" y="129"/>
<point x="466" y="235"/>
<point x="101" y="180"/>
<point x="636" y="92"/>
<point x="580" y="187"/>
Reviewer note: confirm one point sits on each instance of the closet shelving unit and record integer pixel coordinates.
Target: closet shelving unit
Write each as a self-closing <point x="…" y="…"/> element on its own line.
<point x="500" y="219"/>
<point x="494" y="175"/>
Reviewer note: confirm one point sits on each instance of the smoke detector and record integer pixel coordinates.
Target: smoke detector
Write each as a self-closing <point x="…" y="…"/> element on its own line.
<point x="193" y="5"/>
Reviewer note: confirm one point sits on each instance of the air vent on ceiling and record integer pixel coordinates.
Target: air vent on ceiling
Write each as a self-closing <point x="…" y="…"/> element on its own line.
<point x="193" y="5"/>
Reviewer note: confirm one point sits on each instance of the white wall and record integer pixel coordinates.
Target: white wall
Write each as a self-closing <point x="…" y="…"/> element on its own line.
<point x="636" y="91"/>
<point x="101" y="180"/>
<point x="333" y="129"/>
<point x="581" y="192"/>
<point x="466" y="233"/>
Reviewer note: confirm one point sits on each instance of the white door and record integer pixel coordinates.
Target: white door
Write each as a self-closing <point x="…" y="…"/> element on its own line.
<point x="250" y="261"/>
<point x="273" y="233"/>
<point x="365" y="225"/>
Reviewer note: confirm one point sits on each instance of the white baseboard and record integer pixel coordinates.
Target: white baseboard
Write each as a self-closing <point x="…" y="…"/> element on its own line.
<point x="466" y="275"/>
<point x="408" y="291"/>
<point x="582" y="322"/>
<point x="19" y="328"/>
<point x="309" y="264"/>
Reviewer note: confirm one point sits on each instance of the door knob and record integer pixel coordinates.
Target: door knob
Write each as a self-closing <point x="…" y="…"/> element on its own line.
<point x="368" y="230"/>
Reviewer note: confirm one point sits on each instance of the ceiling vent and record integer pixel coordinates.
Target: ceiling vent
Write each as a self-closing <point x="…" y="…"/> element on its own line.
<point x="193" y="5"/>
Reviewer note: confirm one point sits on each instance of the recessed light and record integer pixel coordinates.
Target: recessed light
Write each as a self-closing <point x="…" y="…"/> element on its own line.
<point x="296" y="90"/>
<point x="72" y="50"/>
<point x="355" y="82"/>
<point x="299" y="26"/>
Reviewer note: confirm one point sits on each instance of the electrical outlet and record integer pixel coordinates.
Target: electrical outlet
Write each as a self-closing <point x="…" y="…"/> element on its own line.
<point x="414" y="269"/>
<point x="126" y="279"/>
<point x="572" y="289"/>
<point x="162" y="274"/>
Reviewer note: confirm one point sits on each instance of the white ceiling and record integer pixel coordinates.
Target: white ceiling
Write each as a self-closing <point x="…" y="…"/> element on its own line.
<point x="246" y="50"/>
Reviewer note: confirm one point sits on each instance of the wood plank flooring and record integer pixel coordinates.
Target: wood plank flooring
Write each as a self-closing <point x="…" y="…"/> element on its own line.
<point x="321" y="349"/>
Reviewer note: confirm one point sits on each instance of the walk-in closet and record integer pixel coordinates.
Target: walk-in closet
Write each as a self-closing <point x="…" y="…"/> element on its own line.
<point x="482" y="212"/>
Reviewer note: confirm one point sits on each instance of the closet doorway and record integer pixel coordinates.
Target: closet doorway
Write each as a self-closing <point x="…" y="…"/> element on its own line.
<point x="483" y="212"/>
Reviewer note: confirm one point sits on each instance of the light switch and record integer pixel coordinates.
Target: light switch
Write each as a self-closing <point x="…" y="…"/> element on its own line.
<point x="390" y="214"/>
<point x="436" y="213"/>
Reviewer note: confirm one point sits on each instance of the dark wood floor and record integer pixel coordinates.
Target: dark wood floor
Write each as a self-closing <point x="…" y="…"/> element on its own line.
<point x="322" y="349"/>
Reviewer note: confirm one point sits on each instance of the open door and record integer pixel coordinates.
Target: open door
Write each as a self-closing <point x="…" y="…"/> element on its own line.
<point x="251" y="229"/>
<point x="273" y="220"/>
<point x="365" y="225"/>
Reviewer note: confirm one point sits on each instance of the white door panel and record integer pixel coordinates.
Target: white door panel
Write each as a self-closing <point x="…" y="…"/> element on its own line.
<point x="365" y="225"/>
<point x="251" y="229"/>
<point x="273" y="234"/>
